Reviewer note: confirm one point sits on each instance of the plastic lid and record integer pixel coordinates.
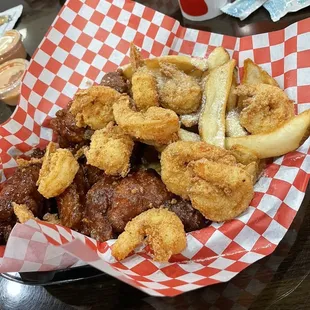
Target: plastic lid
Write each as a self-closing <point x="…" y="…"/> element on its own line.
<point x="11" y="73"/>
<point x="8" y="41"/>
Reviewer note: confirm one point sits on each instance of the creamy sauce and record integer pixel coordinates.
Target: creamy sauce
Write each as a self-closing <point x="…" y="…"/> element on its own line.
<point x="11" y="46"/>
<point x="5" y="43"/>
<point x="11" y="74"/>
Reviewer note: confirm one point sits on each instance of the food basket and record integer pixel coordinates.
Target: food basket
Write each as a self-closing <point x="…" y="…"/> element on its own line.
<point x="92" y="37"/>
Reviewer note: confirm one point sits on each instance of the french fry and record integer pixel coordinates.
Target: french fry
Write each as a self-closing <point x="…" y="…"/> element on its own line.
<point x="284" y="139"/>
<point x="254" y="74"/>
<point x="212" y="118"/>
<point x="191" y="66"/>
<point x="186" y="135"/>
<point x="217" y="58"/>
<point x="232" y="98"/>
<point x="233" y="126"/>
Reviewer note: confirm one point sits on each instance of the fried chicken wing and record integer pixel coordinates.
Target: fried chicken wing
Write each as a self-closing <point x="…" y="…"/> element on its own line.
<point x="57" y="172"/>
<point x="154" y="126"/>
<point x="144" y="85"/>
<point x="163" y="229"/>
<point x="71" y="203"/>
<point x="178" y="91"/>
<point x="266" y="107"/>
<point x="135" y="194"/>
<point x="93" y="106"/>
<point x="110" y="150"/>
<point x="69" y="134"/>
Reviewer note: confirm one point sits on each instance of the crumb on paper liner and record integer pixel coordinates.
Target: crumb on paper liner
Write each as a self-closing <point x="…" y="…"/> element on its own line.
<point x="90" y="38"/>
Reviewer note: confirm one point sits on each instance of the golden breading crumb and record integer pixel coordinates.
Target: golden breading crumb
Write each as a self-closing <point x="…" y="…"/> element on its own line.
<point x="22" y="212"/>
<point x="52" y="218"/>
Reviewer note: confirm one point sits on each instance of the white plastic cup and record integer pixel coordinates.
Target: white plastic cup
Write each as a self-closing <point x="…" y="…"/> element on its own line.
<point x="199" y="10"/>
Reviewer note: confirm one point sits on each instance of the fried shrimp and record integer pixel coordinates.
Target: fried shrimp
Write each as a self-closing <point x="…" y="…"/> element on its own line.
<point x="265" y="107"/>
<point x="178" y="91"/>
<point x="220" y="192"/>
<point x="209" y="176"/>
<point x="57" y="172"/>
<point x="163" y="229"/>
<point x="93" y="106"/>
<point x="154" y="126"/>
<point x="144" y="85"/>
<point x="176" y="157"/>
<point x="110" y="150"/>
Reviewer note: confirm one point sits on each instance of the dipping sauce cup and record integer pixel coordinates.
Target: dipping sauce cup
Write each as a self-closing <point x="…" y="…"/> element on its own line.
<point x="11" y="73"/>
<point x="11" y="46"/>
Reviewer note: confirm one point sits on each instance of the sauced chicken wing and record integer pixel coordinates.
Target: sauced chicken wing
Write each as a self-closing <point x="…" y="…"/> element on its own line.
<point x="179" y="91"/>
<point x="69" y="134"/>
<point x="21" y="189"/>
<point x="154" y="126"/>
<point x="93" y="174"/>
<point x="138" y="192"/>
<point x="191" y="218"/>
<point x="98" y="201"/>
<point x="71" y="203"/>
<point x="110" y="150"/>
<point x="116" y="81"/>
<point x="144" y="86"/>
<point x="266" y="107"/>
<point x="93" y="106"/>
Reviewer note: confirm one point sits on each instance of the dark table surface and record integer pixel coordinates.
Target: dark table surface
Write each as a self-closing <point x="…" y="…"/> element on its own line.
<point x="279" y="281"/>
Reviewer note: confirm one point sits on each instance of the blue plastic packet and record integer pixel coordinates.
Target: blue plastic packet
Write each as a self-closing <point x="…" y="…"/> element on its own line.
<point x="242" y="8"/>
<point x="278" y="8"/>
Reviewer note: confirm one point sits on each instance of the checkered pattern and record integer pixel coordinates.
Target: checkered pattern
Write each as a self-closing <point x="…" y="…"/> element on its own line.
<point x="91" y="37"/>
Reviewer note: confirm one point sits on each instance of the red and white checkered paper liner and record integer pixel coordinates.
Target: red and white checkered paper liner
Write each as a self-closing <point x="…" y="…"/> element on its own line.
<point x="91" y="37"/>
